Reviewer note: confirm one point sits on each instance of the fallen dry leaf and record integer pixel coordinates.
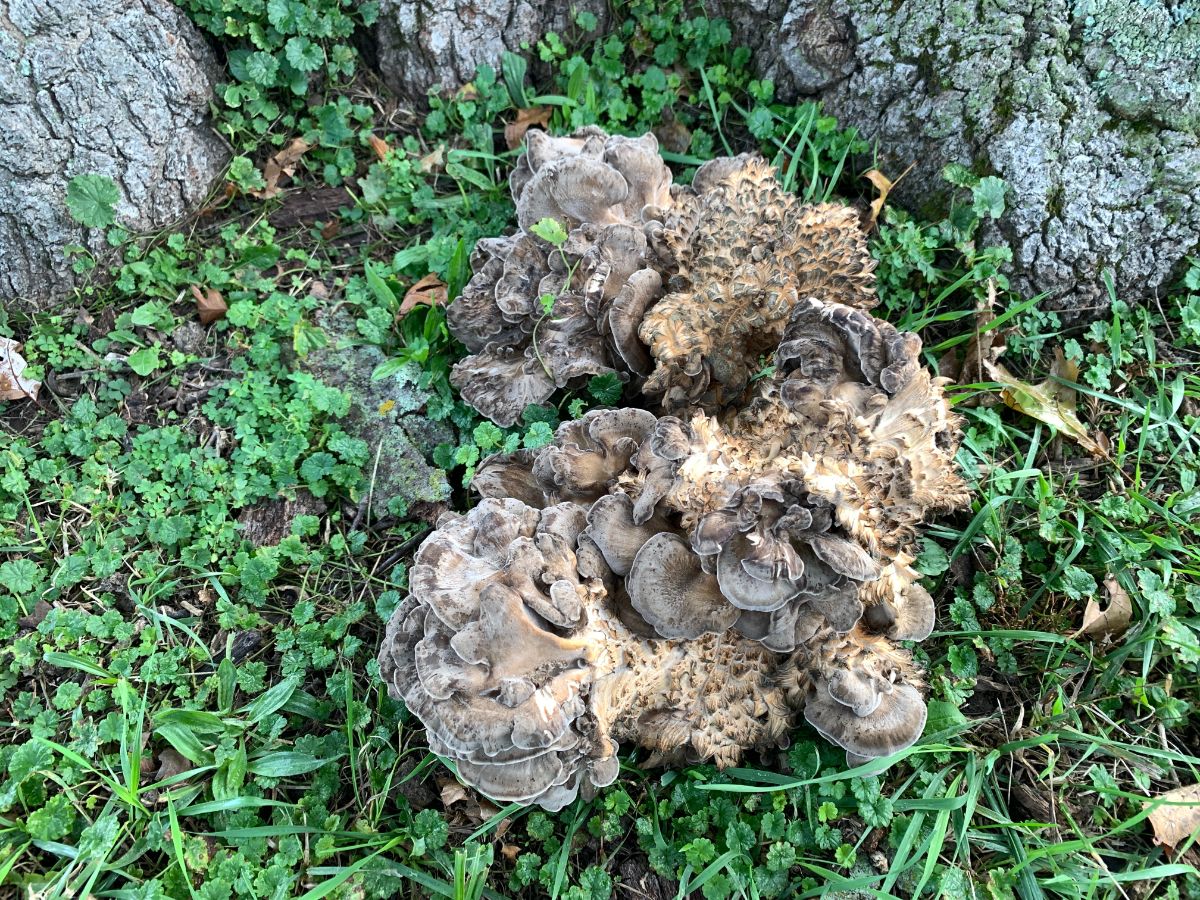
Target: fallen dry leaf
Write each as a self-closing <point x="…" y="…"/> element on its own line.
<point x="514" y="131"/>
<point x="986" y="345"/>
<point x="227" y="193"/>
<point x="432" y="161"/>
<point x="429" y="291"/>
<point x="1178" y="818"/>
<point x="1113" y="619"/>
<point x="1063" y="374"/>
<point x="170" y="763"/>
<point x="1043" y="402"/>
<point x="452" y="792"/>
<point x="13" y="384"/>
<point x="210" y="304"/>
<point x="466" y="806"/>
<point x="884" y="185"/>
<point x="36" y="616"/>
<point x="380" y="146"/>
<point x="673" y="135"/>
<point x="509" y="851"/>
<point x="281" y="164"/>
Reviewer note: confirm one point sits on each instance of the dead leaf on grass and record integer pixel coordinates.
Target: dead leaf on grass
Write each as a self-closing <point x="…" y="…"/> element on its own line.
<point x="280" y="165"/>
<point x="380" y="146"/>
<point x="40" y="610"/>
<point x="210" y="304"/>
<point x="514" y="131"/>
<point x="1045" y="402"/>
<point x="429" y="291"/>
<point x="884" y="185"/>
<point x="452" y="792"/>
<point x="986" y="345"/>
<point x="1111" y="621"/>
<point x="170" y="763"/>
<point x="1178" y="818"/>
<point x="466" y="805"/>
<point x="13" y="383"/>
<point x="673" y="135"/>
<point x="432" y="161"/>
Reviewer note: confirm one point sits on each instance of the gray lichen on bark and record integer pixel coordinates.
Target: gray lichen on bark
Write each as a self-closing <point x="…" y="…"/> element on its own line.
<point x="1087" y="110"/>
<point x="110" y="87"/>
<point x="440" y="42"/>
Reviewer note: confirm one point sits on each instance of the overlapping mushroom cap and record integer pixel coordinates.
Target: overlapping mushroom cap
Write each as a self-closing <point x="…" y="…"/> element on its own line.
<point x="516" y="659"/>
<point x="490" y="650"/>
<point x="598" y="188"/>
<point x="685" y="288"/>
<point x="691" y="575"/>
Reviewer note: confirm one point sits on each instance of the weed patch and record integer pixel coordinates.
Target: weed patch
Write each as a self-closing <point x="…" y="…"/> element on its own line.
<point x="193" y="711"/>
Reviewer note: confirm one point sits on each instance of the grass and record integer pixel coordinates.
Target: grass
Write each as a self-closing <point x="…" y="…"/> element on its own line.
<point x="185" y="713"/>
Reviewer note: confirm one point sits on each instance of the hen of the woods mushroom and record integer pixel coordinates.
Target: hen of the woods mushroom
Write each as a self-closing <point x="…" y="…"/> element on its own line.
<point x="691" y="575"/>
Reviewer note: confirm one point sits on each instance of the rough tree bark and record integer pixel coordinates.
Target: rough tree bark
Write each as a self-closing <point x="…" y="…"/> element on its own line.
<point x="1089" y="110"/>
<point x="430" y="42"/>
<point x="110" y="87"/>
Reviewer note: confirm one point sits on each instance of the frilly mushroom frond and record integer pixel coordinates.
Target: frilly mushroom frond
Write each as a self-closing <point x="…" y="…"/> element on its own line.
<point x="524" y="674"/>
<point x="859" y="691"/>
<point x="877" y="434"/>
<point x="687" y="578"/>
<point x="491" y="652"/>
<point x="740" y="252"/>
<point x="598" y="187"/>
<point x="582" y="464"/>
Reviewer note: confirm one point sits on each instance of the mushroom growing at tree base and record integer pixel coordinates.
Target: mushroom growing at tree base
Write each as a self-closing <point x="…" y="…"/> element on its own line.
<point x="731" y="555"/>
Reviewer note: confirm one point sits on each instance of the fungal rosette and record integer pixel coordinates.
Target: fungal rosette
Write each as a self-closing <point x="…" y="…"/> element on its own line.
<point x="598" y="188"/>
<point x="524" y="674"/>
<point x="694" y="576"/>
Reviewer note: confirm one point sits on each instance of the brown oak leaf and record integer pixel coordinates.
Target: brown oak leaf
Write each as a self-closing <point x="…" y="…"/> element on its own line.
<point x="429" y="291"/>
<point x="210" y="304"/>
<point x="514" y="131"/>
<point x="282" y="164"/>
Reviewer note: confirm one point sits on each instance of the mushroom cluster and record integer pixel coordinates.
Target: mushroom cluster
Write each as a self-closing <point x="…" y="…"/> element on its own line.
<point x="693" y="575"/>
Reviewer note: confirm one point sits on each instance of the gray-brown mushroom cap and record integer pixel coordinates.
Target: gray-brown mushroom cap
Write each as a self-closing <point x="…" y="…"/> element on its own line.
<point x="612" y="529"/>
<point x="912" y="618"/>
<point x="894" y="723"/>
<point x="490" y="652"/>
<point x="589" y="454"/>
<point x="671" y="590"/>
<point x="538" y="317"/>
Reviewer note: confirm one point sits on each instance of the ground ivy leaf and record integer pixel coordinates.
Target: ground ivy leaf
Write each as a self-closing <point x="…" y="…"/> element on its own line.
<point x="606" y="388"/>
<point x="145" y="361"/>
<point x="19" y="575"/>
<point x="92" y="200"/>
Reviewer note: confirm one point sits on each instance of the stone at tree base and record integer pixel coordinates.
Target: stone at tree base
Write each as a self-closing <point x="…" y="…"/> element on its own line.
<point x="109" y="87"/>
<point x="1088" y="110"/>
<point x="422" y="43"/>
<point x="385" y="414"/>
